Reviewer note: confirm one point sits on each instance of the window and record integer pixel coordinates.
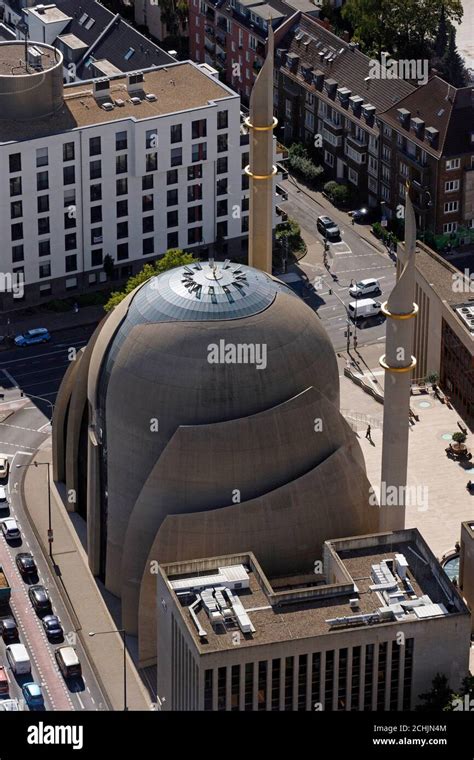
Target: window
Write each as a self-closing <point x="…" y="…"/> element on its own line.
<point x="172" y="177"/>
<point x="14" y="160"/>
<point x="402" y="190"/>
<point x="245" y="204"/>
<point x="221" y="230"/>
<point x="121" y="164"/>
<point x="43" y="225"/>
<point x="69" y="175"/>
<point x="194" y="172"/>
<point x="245" y="181"/>
<point x="15" y="186"/>
<point x="122" y="230"/>
<point x="17" y="231"/>
<point x="172" y="240"/>
<point x="450" y="227"/>
<point x="194" y="214"/>
<point x="45" y="270"/>
<point x="122" y="208"/>
<point x="71" y="263"/>
<point x="221" y="166"/>
<point x="44" y="248"/>
<point x="68" y="151"/>
<point x="385" y="193"/>
<point x="94" y="146"/>
<point x="147" y="224"/>
<point x="404" y="171"/>
<point x="97" y="258"/>
<point x="96" y="236"/>
<point x="195" y="191"/>
<point x="122" y="251"/>
<point x="147" y="202"/>
<point x="387" y="131"/>
<point x="42" y="181"/>
<point x="245" y="160"/>
<point x="453" y="163"/>
<point x="148" y="246"/>
<point x="194" y="235"/>
<point x="151" y="162"/>
<point x="70" y="218"/>
<point x="221" y="208"/>
<point x="147" y="182"/>
<point x="176" y="133"/>
<point x="41" y="157"/>
<point x="386" y="174"/>
<point x="70" y="241"/>
<point x="176" y="156"/>
<point x="95" y="193"/>
<point x="198" y="129"/>
<point x="172" y="198"/>
<point x="222" y="145"/>
<point x="16" y="209"/>
<point x="244" y="225"/>
<point x="172" y="219"/>
<point x="386" y="153"/>
<point x="309" y="120"/>
<point x="121" y="141"/>
<point x="451" y="186"/>
<point x="42" y="203"/>
<point x="199" y="152"/>
<point x="222" y="119"/>
<point x="95" y="170"/>
<point x="451" y="207"/>
<point x="96" y="214"/>
<point x="18" y="253"/>
<point x="121" y="186"/>
<point x="151" y="140"/>
<point x="328" y="158"/>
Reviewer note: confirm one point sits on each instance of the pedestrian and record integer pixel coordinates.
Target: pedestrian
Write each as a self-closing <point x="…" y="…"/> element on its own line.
<point x="353" y="219"/>
<point x="368" y="434"/>
<point x="76" y="307"/>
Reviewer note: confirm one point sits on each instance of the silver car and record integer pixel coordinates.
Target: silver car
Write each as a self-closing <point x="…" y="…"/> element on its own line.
<point x="10" y="529"/>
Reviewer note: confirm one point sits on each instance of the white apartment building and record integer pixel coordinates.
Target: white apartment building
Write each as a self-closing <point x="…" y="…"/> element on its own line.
<point x="128" y="166"/>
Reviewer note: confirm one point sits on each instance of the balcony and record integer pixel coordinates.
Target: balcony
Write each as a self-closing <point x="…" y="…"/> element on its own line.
<point x="209" y="31"/>
<point x="335" y="127"/>
<point x="356" y="143"/>
<point x="210" y="46"/>
<point x="222" y="23"/>
<point x="414" y="158"/>
<point x="221" y="58"/>
<point x="210" y="14"/>
<point x="221" y="39"/>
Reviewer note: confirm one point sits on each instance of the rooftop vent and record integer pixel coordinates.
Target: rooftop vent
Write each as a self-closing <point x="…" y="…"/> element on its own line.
<point x="331" y="86"/>
<point x="356" y="102"/>
<point x="369" y="111"/>
<point x="151" y="97"/>
<point x="108" y="106"/>
<point x="432" y="135"/>
<point x="135" y="81"/>
<point x="119" y="102"/>
<point x="101" y="88"/>
<point x="318" y="78"/>
<point x="135" y="101"/>
<point x="418" y="125"/>
<point x="343" y="94"/>
<point x="404" y="116"/>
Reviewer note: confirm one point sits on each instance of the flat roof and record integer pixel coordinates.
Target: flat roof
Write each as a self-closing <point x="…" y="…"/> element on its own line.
<point x="177" y="87"/>
<point x="48" y="14"/>
<point x="285" y="609"/>
<point x="12" y="58"/>
<point x="73" y="42"/>
<point x="106" y="67"/>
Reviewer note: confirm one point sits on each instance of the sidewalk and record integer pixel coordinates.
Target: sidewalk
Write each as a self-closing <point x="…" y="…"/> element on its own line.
<point x="80" y="592"/>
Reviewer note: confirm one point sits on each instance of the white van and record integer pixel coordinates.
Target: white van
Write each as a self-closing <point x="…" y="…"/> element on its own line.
<point x="366" y="287"/>
<point x="366" y="307"/>
<point x="18" y="659"/>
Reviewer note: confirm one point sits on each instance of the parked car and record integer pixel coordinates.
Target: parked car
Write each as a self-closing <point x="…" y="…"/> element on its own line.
<point x="37" y="335"/>
<point x="19" y="661"/>
<point x="10" y="529"/>
<point x="26" y="564"/>
<point x="4" y="466"/>
<point x="68" y="662"/>
<point x="8" y="629"/>
<point x="33" y="694"/>
<point x="365" y="288"/>
<point x="3" y="497"/>
<point x="4" y="681"/>
<point x="367" y="307"/>
<point x="327" y="227"/>
<point x="52" y="627"/>
<point x="39" y="598"/>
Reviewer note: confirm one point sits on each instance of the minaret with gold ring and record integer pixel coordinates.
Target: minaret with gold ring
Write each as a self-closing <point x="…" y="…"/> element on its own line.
<point x="398" y="363"/>
<point x="261" y="169"/>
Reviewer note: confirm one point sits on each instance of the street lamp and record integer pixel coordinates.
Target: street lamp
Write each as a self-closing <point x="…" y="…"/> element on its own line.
<point x="50" y="529"/>
<point x="429" y="203"/>
<point x="41" y="398"/>
<point x="124" y="637"/>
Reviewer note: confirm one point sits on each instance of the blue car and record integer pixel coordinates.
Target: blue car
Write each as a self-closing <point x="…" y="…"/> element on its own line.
<point x="38" y="335"/>
<point x="33" y="694"/>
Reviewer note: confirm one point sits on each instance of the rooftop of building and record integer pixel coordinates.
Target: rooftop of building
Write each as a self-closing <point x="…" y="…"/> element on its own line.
<point x="313" y="46"/>
<point x="442" y="107"/>
<point x="275" y="11"/>
<point x="110" y="35"/>
<point x="12" y="58"/>
<point x="441" y="276"/>
<point x="180" y="87"/>
<point x="385" y="579"/>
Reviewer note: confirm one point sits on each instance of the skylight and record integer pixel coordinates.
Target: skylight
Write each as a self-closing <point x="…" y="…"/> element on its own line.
<point x="83" y="19"/>
<point x="129" y="53"/>
<point x="89" y="24"/>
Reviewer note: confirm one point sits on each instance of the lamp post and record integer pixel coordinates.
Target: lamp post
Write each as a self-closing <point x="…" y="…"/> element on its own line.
<point x="50" y="529"/>
<point x="426" y="193"/>
<point x="124" y="637"/>
<point x="41" y="398"/>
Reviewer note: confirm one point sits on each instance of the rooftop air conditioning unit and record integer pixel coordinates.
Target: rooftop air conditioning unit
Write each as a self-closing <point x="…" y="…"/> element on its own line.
<point x="151" y="97"/>
<point x="135" y="101"/>
<point x="354" y="604"/>
<point x="108" y="106"/>
<point x="119" y="102"/>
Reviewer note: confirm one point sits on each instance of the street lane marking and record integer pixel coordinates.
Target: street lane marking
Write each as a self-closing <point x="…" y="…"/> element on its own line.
<point x="36" y="356"/>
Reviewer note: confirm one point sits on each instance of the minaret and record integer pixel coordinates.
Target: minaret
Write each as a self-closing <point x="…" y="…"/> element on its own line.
<point x="261" y="169"/>
<point x="398" y="363"/>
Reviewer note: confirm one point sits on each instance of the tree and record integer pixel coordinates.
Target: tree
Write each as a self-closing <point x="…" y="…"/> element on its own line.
<point x="108" y="266"/>
<point x="459" y="437"/>
<point x="175" y="257"/>
<point x="441" y="40"/>
<point x="299" y="160"/>
<point x="440" y="696"/>
<point x="452" y="65"/>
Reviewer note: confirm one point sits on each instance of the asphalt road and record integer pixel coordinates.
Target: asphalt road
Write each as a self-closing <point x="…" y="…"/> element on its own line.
<point x="351" y="258"/>
<point x="38" y="370"/>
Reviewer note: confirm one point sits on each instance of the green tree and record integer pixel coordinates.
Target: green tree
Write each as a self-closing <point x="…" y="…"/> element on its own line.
<point x="108" y="265"/>
<point x="452" y="65"/>
<point x="175" y="257"/>
<point x="441" y="40"/>
<point x="440" y="696"/>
